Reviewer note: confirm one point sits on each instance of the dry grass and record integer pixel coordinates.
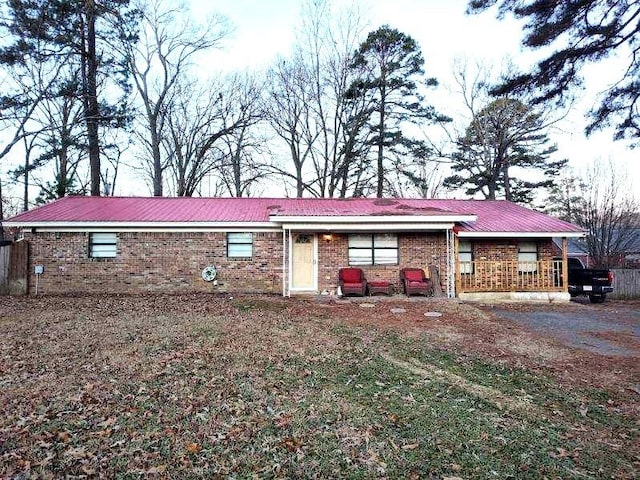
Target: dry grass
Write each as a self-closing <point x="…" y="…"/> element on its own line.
<point x="195" y="385"/>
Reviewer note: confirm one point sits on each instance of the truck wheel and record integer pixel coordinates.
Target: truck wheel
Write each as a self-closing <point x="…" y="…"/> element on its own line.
<point x="597" y="298"/>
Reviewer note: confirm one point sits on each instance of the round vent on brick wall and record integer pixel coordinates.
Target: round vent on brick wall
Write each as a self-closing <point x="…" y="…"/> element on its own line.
<point x="209" y="273"/>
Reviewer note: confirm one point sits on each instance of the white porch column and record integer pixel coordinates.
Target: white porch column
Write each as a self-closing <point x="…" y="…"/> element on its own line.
<point x="284" y="263"/>
<point x="451" y="264"/>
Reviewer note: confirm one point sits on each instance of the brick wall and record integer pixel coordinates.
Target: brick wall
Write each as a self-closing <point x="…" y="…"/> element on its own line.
<point x="414" y="250"/>
<point x="496" y="268"/>
<point x="161" y="262"/>
<point x="507" y="249"/>
<point x="173" y="262"/>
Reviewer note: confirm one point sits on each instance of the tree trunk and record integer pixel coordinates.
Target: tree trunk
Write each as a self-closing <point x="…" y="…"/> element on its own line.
<point x="25" y="199"/>
<point x="63" y="184"/>
<point x="381" y="132"/>
<point x="507" y="181"/>
<point x="91" y="98"/>
<point x="157" y="163"/>
<point x="235" y="162"/>
<point x="1" y="212"/>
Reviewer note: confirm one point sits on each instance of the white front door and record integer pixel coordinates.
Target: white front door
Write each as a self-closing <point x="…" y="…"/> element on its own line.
<point x="303" y="271"/>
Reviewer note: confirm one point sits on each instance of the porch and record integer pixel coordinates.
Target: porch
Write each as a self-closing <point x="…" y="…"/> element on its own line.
<point x="510" y="276"/>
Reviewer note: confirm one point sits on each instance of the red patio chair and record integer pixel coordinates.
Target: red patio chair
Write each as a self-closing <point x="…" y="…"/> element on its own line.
<point x="415" y="283"/>
<point x="352" y="281"/>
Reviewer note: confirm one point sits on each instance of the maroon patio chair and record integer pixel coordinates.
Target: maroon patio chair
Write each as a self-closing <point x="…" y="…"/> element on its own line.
<point x="415" y="283"/>
<point x="352" y="281"/>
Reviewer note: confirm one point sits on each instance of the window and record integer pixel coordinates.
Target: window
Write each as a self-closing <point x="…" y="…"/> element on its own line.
<point x="465" y="257"/>
<point x="373" y="249"/>
<point x="527" y="257"/>
<point x="240" y="245"/>
<point x="103" y="245"/>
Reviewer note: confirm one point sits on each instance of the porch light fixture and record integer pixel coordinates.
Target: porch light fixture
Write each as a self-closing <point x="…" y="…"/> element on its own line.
<point x="327" y="237"/>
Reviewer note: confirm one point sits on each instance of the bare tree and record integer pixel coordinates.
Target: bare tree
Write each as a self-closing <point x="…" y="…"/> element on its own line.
<point x="168" y="42"/>
<point x="308" y="107"/>
<point x="199" y="121"/>
<point x="328" y="40"/>
<point x="242" y="164"/>
<point x="289" y="115"/>
<point x="600" y="201"/>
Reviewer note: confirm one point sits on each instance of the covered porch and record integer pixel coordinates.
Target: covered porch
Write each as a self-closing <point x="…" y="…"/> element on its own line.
<point x="510" y="276"/>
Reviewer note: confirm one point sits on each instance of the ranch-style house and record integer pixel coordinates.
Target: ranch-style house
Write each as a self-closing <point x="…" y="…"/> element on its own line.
<point x="470" y="248"/>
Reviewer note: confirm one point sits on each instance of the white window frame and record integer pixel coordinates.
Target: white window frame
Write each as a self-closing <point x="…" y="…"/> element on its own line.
<point x="372" y="248"/>
<point x="527" y="257"/>
<point x="465" y="257"/>
<point x="103" y="245"/>
<point x="239" y="238"/>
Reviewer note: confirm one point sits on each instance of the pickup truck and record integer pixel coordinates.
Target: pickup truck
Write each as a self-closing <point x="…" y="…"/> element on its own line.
<point x="595" y="283"/>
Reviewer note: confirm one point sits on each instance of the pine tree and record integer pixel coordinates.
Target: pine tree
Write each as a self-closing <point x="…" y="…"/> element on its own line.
<point x="504" y="135"/>
<point x="390" y="79"/>
<point x="80" y="34"/>
<point x="583" y="32"/>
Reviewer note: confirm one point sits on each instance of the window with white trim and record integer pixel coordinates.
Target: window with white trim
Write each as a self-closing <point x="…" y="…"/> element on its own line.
<point x="465" y="257"/>
<point x="373" y="249"/>
<point x="103" y="245"/>
<point x="240" y="245"/>
<point x="527" y="257"/>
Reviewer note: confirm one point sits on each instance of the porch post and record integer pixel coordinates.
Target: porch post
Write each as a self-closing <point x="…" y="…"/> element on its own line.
<point x="456" y="248"/>
<point x="451" y="269"/>
<point x="565" y="264"/>
<point x="284" y="264"/>
<point x="289" y="264"/>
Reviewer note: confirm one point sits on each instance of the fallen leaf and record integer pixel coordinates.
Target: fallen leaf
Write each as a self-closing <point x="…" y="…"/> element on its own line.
<point x="411" y="446"/>
<point x="107" y="423"/>
<point x="193" y="447"/>
<point x="64" y="436"/>
<point x="157" y="469"/>
<point x="282" y="421"/>
<point x="291" y="444"/>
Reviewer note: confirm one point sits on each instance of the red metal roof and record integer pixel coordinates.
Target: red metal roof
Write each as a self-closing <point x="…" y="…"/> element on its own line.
<point x="492" y="215"/>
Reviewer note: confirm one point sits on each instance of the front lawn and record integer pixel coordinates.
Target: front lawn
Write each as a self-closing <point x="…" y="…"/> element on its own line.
<point x="197" y="385"/>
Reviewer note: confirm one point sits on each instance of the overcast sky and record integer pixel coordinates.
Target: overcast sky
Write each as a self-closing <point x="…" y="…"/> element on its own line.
<point x="263" y="29"/>
<point x="266" y="28"/>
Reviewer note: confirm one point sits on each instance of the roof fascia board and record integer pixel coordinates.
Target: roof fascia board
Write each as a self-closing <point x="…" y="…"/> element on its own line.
<point x="157" y="230"/>
<point x="369" y="227"/>
<point x="151" y="226"/>
<point x="520" y="234"/>
<point x="372" y="218"/>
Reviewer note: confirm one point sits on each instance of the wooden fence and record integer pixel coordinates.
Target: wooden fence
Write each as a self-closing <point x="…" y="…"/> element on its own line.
<point x="626" y="283"/>
<point x="14" y="268"/>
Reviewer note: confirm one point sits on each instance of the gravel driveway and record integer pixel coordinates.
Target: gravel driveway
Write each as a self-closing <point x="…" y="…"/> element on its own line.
<point x="612" y="328"/>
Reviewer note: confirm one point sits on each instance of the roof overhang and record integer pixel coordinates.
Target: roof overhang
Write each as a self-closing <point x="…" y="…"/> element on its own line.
<point x="520" y="234"/>
<point x="377" y="219"/>
<point x="368" y="227"/>
<point x="144" y="226"/>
